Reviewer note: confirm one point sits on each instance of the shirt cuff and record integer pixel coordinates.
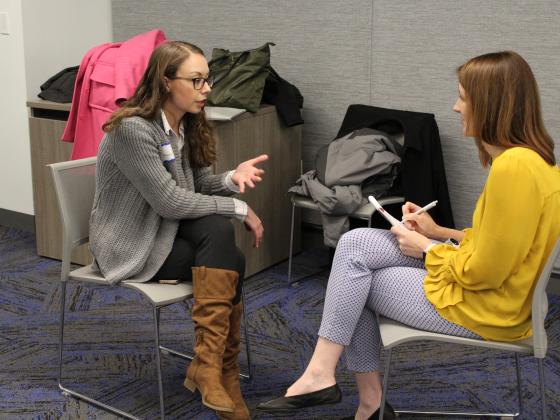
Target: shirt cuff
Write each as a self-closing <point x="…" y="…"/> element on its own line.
<point x="232" y="185"/>
<point x="241" y="209"/>
<point x="453" y="242"/>
<point x="428" y="248"/>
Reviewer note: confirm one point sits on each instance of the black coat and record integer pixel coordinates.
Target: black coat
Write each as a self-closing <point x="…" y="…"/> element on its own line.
<point x="286" y="97"/>
<point x="422" y="177"/>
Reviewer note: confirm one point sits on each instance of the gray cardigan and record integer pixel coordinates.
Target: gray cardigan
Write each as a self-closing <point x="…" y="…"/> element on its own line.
<point x="142" y="192"/>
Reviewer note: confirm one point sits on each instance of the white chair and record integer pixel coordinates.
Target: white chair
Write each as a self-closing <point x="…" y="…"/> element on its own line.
<point x="75" y="187"/>
<point x="364" y="212"/>
<point x="394" y="333"/>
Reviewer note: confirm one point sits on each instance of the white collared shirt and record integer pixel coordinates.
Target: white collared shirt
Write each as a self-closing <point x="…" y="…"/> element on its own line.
<point x="240" y="206"/>
<point x="167" y="128"/>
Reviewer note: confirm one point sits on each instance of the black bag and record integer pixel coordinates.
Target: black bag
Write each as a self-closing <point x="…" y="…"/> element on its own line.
<point x="286" y="97"/>
<point x="60" y="87"/>
<point x="239" y="77"/>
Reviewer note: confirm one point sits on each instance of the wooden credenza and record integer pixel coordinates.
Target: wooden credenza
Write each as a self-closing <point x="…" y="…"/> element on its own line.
<point x="246" y="136"/>
<point x="46" y="125"/>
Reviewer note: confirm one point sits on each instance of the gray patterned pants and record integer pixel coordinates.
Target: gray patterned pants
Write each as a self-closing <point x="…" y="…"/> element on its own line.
<point x="370" y="276"/>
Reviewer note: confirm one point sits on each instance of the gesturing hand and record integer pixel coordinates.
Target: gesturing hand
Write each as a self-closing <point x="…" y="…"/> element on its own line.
<point x="410" y="243"/>
<point x="254" y="224"/>
<point x="248" y="174"/>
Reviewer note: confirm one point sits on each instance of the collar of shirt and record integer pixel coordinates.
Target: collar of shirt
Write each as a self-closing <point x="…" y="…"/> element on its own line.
<point x="167" y="128"/>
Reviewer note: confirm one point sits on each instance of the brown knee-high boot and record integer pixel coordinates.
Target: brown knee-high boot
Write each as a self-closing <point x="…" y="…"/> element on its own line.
<point x="230" y="369"/>
<point x="213" y="290"/>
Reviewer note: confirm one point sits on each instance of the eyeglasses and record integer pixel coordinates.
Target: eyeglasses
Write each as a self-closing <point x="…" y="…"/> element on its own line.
<point x="198" y="82"/>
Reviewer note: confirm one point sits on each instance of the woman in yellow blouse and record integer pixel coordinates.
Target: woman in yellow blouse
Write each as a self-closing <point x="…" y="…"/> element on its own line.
<point x="480" y="288"/>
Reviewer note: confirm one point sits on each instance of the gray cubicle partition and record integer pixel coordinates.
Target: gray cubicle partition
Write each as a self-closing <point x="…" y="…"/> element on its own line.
<point x="397" y="54"/>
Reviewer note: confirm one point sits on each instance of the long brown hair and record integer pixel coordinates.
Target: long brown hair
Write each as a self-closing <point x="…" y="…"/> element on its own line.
<point x="151" y="94"/>
<point x="504" y="102"/>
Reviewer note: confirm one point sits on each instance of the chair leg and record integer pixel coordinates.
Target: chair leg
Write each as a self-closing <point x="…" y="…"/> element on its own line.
<point x="158" y="361"/>
<point x="249" y="374"/>
<point x="291" y="244"/>
<point x="61" y="331"/>
<point x="385" y="382"/>
<point x="67" y="391"/>
<point x="541" y="380"/>
<point x="291" y="282"/>
<point x="518" y="374"/>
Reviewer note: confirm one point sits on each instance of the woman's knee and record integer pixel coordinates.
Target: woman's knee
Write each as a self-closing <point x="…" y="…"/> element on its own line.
<point x="367" y="239"/>
<point x="352" y="240"/>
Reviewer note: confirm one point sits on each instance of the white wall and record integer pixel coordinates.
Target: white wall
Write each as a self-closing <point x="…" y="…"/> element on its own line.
<point x="15" y="164"/>
<point x="46" y="36"/>
<point x="57" y="34"/>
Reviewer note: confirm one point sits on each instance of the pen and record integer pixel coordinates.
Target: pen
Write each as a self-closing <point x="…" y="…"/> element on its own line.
<point x="426" y="207"/>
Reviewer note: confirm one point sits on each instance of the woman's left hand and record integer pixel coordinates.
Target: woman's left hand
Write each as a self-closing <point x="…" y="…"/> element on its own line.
<point x="254" y="225"/>
<point x="248" y="174"/>
<point x="411" y="243"/>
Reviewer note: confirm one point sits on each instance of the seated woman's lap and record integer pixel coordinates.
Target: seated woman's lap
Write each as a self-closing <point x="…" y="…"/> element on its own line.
<point x="206" y="241"/>
<point x="373" y="248"/>
<point x="213" y="238"/>
<point x="359" y="253"/>
<point x="397" y="284"/>
<point x="398" y="293"/>
<point x="178" y="263"/>
<point x="370" y="271"/>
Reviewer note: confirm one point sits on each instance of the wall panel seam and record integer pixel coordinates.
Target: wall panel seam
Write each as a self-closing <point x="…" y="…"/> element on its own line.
<point x="370" y="75"/>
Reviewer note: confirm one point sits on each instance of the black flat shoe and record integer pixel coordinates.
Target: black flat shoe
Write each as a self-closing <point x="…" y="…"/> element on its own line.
<point x="330" y="395"/>
<point x="388" y="414"/>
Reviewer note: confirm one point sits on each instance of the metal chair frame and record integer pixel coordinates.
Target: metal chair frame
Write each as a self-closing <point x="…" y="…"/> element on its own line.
<point x="75" y="233"/>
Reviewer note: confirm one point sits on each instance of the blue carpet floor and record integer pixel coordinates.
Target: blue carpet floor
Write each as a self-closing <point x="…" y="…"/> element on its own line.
<point x="109" y="349"/>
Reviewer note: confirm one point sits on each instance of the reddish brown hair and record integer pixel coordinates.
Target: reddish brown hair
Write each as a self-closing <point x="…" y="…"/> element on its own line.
<point x="504" y="101"/>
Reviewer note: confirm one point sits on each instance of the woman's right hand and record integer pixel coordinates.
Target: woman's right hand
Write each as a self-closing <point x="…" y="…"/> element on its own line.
<point x="421" y="223"/>
<point x="255" y="226"/>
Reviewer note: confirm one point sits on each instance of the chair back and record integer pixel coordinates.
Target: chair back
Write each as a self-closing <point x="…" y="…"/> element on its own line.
<point x="74" y="182"/>
<point x="540" y="304"/>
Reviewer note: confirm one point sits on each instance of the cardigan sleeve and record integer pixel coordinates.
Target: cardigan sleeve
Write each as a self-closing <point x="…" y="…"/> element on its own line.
<point x="506" y="221"/>
<point x="137" y="155"/>
<point x="206" y="182"/>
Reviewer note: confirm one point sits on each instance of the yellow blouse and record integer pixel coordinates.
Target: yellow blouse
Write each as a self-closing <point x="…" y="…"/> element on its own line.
<point x="487" y="283"/>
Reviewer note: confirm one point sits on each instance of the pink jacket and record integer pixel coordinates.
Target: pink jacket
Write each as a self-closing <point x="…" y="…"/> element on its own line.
<point x="108" y="73"/>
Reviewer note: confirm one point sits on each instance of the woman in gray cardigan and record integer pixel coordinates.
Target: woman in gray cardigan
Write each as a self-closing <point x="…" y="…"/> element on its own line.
<point x="160" y="211"/>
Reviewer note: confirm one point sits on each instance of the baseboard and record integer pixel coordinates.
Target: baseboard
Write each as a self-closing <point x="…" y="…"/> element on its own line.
<point x="17" y="220"/>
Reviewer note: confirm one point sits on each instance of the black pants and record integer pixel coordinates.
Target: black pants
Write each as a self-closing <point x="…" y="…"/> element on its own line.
<point x="207" y="241"/>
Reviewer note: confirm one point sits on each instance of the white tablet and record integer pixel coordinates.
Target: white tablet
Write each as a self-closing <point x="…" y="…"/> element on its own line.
<point x="384" y="213"/>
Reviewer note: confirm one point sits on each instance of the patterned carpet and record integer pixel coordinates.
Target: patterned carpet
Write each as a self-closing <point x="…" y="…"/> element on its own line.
<point x="109" y="349"/>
